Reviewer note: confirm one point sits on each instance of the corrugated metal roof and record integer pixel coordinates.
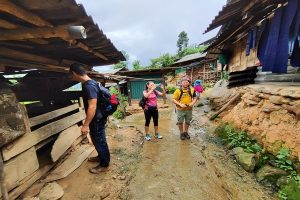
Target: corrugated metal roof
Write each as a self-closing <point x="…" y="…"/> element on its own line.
<point x="56" y="13"/>
<point x="238" y="16"/>
<point x="191" y="57"/>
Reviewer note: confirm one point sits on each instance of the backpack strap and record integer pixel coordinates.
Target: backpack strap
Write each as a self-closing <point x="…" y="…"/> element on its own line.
<point x="181" y="93"/>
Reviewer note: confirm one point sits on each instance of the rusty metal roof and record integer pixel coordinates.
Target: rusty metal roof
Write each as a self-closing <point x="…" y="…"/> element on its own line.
<point x="53" y="54"/>
<point x="238" y="16"/>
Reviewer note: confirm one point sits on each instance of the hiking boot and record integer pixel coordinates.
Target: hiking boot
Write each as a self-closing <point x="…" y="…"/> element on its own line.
<point x="182" y="137"/>
<point x="186" y="135"/>
<point x="148" y="137"/>
<point x="158" y="136"/>
<point x="98" y="169"/>
<point x="94" y="159"/>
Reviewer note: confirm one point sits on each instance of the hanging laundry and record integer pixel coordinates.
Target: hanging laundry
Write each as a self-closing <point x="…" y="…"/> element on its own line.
<point x="294" y="30"/>
<point x="251" y="40"/>
<point x="263" y="40"/>
<point x="269" y="54"/>
<point x="281" y="59"/>
<point x="295" y="58"/>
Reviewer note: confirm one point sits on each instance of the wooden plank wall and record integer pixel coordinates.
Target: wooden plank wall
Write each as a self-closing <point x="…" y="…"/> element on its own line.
<point x="20" y="157"/>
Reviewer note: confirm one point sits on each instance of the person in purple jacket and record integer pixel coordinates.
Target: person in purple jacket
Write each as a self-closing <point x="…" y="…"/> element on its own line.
<point x="151" y="109"/>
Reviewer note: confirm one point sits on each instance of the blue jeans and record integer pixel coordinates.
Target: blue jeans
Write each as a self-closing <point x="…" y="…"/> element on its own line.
<point x="98" y="136"/>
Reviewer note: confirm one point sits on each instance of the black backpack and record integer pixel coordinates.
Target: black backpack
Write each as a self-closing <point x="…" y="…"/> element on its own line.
<point x="181" y="93"/>
<point x="143" y="101"/>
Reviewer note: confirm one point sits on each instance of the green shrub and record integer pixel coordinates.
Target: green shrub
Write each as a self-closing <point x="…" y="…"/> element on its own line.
<point x="282" y="160"/>
<point x="237" y="138"/>
<point x="121" y="110"/>
<point x="171" y="89"/>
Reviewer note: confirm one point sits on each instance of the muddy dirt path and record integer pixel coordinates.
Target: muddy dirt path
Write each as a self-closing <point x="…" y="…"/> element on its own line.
<point x="195" y="169"/>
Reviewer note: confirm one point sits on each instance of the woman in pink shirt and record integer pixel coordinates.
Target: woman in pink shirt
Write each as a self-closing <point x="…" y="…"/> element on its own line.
<point x="151" y="110"/>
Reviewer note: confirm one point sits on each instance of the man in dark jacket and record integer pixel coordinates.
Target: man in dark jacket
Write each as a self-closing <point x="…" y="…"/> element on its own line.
<point x="94" y="123"/>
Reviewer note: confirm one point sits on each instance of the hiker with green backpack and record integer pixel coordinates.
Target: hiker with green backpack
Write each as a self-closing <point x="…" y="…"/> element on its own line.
<point x="184" y="98"/>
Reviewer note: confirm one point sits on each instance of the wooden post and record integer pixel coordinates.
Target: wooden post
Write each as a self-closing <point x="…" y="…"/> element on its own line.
<point x="2" y="180"/>
<point x="121" y="100"/>
<point x="129" y="92"/>
<point x="164" y="88"/>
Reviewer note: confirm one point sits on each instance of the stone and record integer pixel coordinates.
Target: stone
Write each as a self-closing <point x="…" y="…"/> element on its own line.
<point x="31" y="198"/>
<point x="250" y="102"/>
<point x="297" y="167"/>
<point x="267" y="173"/>
<point x="122" y="178"/>
<point x="246" y="160"/>
<point x="278" y="100"/>
<point x="52" y="191"/>
<point x="207" y="109"/>
<point x="284" y="180"/>
<point x="293" y="109"/>
<point x="236" y="151"/>
<point x="271" y="108"/>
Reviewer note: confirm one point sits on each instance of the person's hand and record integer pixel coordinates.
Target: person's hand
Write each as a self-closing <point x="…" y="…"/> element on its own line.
<point x="182" y="105"/>
<point x="85" y="130"/>
<point x="191" y="105"/>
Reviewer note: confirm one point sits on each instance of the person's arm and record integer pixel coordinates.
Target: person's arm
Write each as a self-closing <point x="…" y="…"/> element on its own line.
<point x="194" y="100"/>
<point x="147" y="94"/>
<point x="91" y="111"/>
<point x="175" y="99"/>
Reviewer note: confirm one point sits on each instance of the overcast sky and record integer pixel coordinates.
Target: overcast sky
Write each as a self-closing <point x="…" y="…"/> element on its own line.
<point x="146" y="29"/>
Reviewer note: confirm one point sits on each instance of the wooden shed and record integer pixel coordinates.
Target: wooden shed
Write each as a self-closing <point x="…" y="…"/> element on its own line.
<point x="38" y="118"/>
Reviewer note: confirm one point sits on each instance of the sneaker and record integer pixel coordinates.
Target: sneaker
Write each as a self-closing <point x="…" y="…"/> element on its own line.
<point x="94" y="159"/>
<point x="182" y="137"/>
<point x="186" y="135"/>
<point x="98" y="169"/>
<point x="148" y="137"/>
<point x="158" y="136"/>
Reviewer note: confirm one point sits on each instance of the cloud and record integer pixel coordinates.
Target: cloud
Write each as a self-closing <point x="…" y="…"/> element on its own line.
<point x="146" y="29"/>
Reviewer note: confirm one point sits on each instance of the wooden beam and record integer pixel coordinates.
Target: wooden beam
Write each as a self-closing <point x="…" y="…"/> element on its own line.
<point x="30" y="139"/>
<point x="26" y="183"/>
<point x="64" y="142"/>
<point x="3" y="188"/>
<point x="73" y="162"/>
<point x="20" y="167"/>
<point x="51" y="115"/>
<point x="14" y="54"/>
<point x="8" y="7"/>
<point x="36" y="33"/>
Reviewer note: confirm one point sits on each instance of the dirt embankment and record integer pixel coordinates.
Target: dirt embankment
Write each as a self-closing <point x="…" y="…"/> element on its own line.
<point x="271" y="115"/>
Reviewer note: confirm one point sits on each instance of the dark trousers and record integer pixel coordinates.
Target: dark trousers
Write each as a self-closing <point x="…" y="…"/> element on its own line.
<point x="98" y="136"/>
<point x="151" y="114"/>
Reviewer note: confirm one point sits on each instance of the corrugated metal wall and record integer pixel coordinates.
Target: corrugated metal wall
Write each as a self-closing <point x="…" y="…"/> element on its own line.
<point x="137" y="87"/>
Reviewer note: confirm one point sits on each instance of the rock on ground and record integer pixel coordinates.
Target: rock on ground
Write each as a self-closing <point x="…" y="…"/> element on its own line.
<point x="52" y="191"/>
<point x="267" y="172"/>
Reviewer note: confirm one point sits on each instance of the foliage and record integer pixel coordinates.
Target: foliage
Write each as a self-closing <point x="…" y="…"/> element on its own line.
<point x="208" y="85"/>
<point x="164" y="60"/>
<point x="282" y="160"/>
<point x="122" y="64"/>
<point x="182" y="41"/>
<point x="121" y="110"/>
<point x="224" y="75"/>
<point x="171" y="89"/>
<point x="291" y="190"/>
<point x="237" y="138"/>
<point x="136" y="65"/>
<point x="191" y="50"/>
